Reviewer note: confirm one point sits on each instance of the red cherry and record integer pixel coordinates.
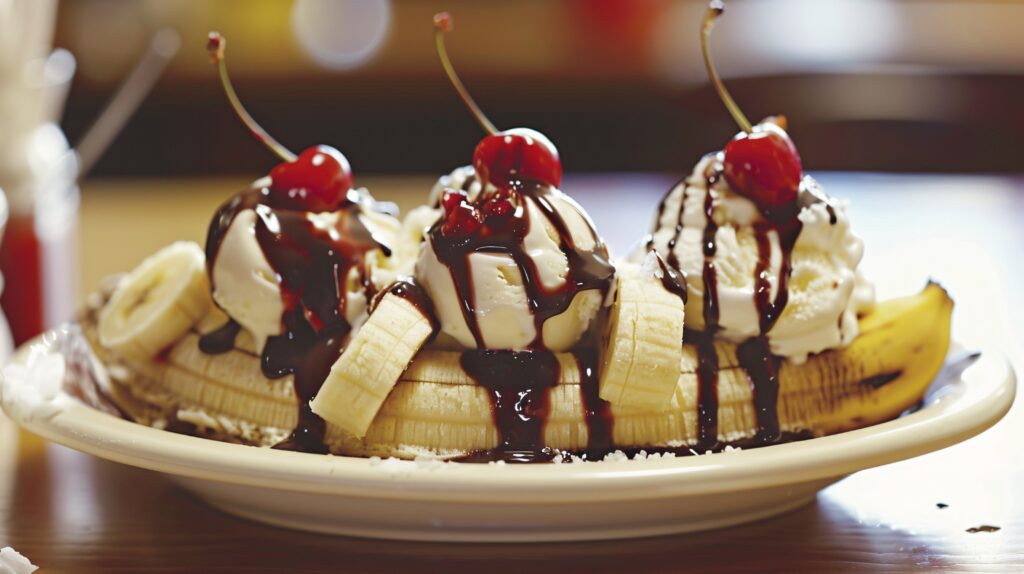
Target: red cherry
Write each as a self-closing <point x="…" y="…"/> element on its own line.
<point x="318" y="180"/>
<point x="461" y="220"/>
<point x="517" y="154"/>
<point x="452" y="198"/>
<point x="502" y="157"/>
<point x="764" y="166"/>
<point x="500" y="219"/>
<point x="505" y="157"/>
<point x="497" y="203"/>
<point x="497" y="207"/>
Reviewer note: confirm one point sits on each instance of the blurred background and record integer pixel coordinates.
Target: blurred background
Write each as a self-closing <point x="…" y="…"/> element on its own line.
<point x="618" y="85"/>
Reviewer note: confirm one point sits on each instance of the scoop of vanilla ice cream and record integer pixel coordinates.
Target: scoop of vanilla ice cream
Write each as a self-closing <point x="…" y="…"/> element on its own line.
<point x="499" y="297"/>
<point x="411" y="237"/>
<point x="825" y="290"/>
<point x="378" y="269"/>
<point x="248" y="288"/>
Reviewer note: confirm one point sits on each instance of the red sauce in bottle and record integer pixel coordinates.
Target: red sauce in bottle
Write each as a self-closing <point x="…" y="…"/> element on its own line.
<point x="21" y="257"/>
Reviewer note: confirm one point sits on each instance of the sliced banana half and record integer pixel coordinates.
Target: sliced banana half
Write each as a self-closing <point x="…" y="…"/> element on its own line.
<point x="361" y="379"/>
<point x="644" y="347"/>
<point x="437" y="406"/>
<point x="157" y="303"/>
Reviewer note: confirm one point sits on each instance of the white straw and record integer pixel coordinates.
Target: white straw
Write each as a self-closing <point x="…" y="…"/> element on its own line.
<point x="129" y="96"/>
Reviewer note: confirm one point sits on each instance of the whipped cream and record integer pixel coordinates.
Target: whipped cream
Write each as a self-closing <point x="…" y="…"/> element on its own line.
<point x="825" y="290"/>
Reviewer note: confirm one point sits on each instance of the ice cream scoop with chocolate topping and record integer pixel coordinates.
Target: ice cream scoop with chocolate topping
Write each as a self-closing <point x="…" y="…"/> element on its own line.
<point x="769" y="258"/>
<point x="513" y="267"/>
<point x="253" y="292"/>
<point x="298" y="276"/>
<point x="790" y="275"/>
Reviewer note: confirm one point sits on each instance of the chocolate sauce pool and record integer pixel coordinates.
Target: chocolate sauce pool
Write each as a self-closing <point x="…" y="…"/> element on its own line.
<point x="220" y="340"/>
<point x="313" y="265"/>
<point x="519" y="384"/>
<point x="597" y="413"/>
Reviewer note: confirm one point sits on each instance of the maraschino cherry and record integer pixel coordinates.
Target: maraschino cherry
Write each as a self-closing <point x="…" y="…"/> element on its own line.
<point x="507" y="156"/>
<point x="319" y="179"/>
<point x="761" y="163"/>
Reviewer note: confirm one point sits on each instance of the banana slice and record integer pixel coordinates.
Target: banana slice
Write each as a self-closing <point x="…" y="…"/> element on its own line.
<point x="364" y="375"/>
<point x="641" y="359"/>
<point x="157" y="303"/>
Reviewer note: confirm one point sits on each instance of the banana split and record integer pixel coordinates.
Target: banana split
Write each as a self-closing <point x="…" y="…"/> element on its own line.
<point x="493" y="324"/>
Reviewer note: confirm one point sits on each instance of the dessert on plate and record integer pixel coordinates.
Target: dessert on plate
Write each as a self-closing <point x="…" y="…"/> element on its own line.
<point x="493" y="324"/>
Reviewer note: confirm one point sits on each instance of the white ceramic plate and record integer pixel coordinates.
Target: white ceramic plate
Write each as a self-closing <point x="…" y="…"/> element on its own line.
<point x="486" y="503"/>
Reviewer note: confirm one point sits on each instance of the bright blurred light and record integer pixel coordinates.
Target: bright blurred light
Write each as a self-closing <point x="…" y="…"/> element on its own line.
<point x="763" y="38"/>
<point x="341" y="34"/>
<point x="836" y="32"/>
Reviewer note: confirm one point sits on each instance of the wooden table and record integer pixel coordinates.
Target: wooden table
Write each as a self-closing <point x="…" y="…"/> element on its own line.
<point x="70" y="512"/>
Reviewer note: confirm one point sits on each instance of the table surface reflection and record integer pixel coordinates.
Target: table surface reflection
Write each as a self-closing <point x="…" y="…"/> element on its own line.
<point x="70" y="512"/>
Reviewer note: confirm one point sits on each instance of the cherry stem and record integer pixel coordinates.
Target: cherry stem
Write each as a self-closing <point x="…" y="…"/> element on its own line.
<point x="443" y="23"/>
<point x="215" y="46"/>
<point x="715" y="9"/>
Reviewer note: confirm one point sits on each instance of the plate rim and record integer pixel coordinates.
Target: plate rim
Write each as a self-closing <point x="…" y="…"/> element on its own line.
<point x="981" y="397"/>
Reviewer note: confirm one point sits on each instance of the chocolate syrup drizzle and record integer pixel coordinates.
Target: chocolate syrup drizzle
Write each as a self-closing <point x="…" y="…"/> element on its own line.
<point x="313" y="268"/>
<point x="769" y="310"/>
<point x="597" y="412"/>
<point x="529" y="374"/>
<point x="762" y="369"/>
<point x="407" y="288"/>
<point x="220" y="340"/>
<point x="707" y="356"/>
<point x="587" y="269"/>
<point x="672" y="280"/>
<point x="519" y="383"/>
<point x="673" y="260"/>
<point x="754" y="355"/>
<point x="313" y="265"/>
